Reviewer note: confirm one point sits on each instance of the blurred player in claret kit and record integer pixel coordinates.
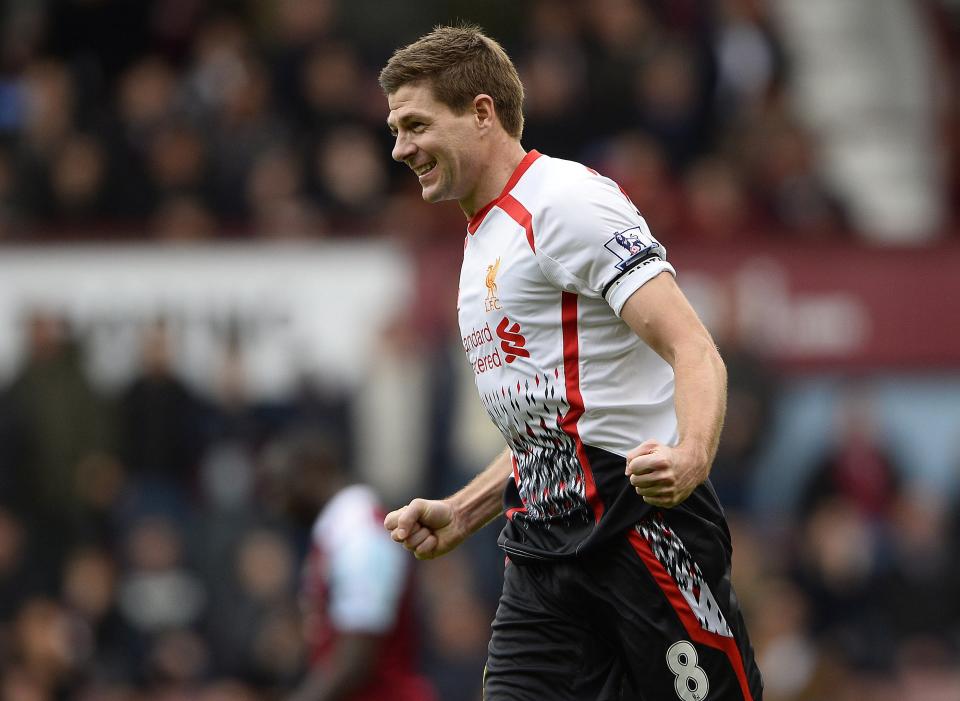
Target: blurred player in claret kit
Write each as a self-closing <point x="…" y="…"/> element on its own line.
<point x="356" y="591"/>
<point x="609" y="392"/>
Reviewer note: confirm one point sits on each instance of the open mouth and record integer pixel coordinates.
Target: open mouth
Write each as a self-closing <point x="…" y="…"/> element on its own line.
<point x="425" y="168"/>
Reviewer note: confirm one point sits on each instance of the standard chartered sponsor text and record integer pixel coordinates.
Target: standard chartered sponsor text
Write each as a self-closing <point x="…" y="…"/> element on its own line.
<point x="475" y="340"/>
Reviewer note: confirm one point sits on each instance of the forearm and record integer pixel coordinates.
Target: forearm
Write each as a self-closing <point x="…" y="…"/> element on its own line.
<point x="700" y="399"/>
<point x="481" y="500"/>
<point x="660" y="314"/>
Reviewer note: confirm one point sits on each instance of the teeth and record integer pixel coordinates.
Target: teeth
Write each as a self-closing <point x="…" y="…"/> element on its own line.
<point x="424" y="169"/>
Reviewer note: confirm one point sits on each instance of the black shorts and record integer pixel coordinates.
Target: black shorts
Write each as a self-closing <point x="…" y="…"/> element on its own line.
<point x="642" y="618"/>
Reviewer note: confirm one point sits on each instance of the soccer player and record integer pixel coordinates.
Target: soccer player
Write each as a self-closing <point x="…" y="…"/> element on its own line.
<point x="608" y="390"/>
<point x="356" y="594"/>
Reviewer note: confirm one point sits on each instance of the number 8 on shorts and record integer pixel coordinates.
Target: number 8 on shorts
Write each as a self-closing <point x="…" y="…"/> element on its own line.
<point x="691" y="681"/>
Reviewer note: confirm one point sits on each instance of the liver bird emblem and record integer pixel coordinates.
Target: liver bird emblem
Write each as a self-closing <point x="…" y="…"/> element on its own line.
<point x="491" y="280"/>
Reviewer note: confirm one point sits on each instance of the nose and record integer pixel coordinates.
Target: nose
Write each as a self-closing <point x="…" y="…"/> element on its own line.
<point x="402" y="148"/>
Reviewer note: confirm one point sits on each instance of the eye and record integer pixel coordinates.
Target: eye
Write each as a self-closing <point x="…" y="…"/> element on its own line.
<point x="417" y="127"/>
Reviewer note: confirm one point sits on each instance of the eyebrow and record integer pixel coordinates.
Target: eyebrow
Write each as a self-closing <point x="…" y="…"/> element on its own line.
<point x="406" y="119"/>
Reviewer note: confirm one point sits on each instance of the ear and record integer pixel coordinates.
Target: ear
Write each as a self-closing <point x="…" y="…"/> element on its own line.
<point x="484" y="111"/>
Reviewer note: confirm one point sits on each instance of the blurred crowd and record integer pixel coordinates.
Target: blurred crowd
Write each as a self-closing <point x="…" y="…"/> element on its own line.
<point x="150" y="547"/>
<point x="145" y="550"/>
<point x="188" y="119"/>
<point x="149" y="550"/>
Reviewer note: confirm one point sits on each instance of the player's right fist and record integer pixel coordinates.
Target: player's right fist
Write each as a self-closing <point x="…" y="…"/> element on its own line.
<point x="424" y="527"/>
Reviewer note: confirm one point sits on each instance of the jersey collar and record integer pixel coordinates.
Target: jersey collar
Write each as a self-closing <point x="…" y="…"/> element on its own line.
<point x="478" y="218"/>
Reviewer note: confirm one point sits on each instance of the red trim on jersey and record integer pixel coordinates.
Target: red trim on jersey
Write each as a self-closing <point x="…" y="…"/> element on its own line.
<point x="519" y="214"/>
<point x="524" y="164"/>
<point x="571" y="377"/>
<point x="516" y="478"/>
<point x="622" y="191"/>
<point x="689" y="620"/>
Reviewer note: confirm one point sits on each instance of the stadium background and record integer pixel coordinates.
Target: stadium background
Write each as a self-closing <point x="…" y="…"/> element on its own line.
<point x="204" y="245"/>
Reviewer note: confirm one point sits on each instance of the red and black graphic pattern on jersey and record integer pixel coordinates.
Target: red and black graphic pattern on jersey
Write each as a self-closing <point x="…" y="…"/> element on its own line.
<point x="548" y="472"/>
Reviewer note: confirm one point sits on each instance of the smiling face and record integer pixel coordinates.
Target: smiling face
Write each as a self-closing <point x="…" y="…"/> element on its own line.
<point x="443" y="148"/>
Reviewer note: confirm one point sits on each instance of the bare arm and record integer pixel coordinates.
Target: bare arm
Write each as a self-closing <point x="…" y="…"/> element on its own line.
<point x="430" y="528"/>
<point x="660" y="314"/>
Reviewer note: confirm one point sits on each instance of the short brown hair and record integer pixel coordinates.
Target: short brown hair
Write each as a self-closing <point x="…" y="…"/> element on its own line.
<point x="460" y="63"/>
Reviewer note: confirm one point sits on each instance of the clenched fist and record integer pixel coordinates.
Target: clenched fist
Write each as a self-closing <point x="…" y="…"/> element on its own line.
<point x="665" y="475"/>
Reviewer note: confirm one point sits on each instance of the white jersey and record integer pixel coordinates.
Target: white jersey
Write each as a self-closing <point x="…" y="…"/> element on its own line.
<point x="547" y="269"/>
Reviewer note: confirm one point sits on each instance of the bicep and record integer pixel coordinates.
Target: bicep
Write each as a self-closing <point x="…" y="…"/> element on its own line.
<point x="659" y="313"/>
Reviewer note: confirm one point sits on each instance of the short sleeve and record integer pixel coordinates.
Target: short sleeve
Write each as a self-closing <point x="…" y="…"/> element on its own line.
<point x="591" y="240"/>
<point x="367" y="579"/>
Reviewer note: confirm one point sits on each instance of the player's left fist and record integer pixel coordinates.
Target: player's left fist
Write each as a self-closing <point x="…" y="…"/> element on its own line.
<point x="664" y="475"/>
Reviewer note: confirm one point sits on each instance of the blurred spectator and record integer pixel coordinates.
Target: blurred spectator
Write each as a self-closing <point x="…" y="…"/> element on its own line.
<point x="332" y="81"/>
<point x="554" y="24"/>
<point x="17" y="580"/>
<point x="780" y="159"/>
<point x="177" y="161"/>
<point x="47" y="647"/>
<point x="289" y="29"/>
<point x="858" y="468"/>
<point x="230" y="89"/>
<point x="928" y="670"/>
<point x="836" y="564"/>
<point x="147" y="96"/>
<point x="78" y="183"/>
<point x="48" y="100"/>
<point x="457" y="625"/>
<point x="253" y="596"/>
<point x="89" y="591"/>
<point x="717" y="207"/>
<point x="351" y="178"/>
<point x="917" y="590"/>
<point x="176" y="662"/>
<point x="357" y="594"/>
<point x="21" y="33"/>
<point x="277" y="176"/>
<point x="671" y="103"/>
<point x="752" y="391"/>
<point x="59" y="423"/>
<point x="161" y="421"/>
<point x="292" y="218"/>
<point x="787" y="653"/>
<point x="554" y="84"/>
<point x="222" y="79"/>
<point x="748" y="56"/>
<point x="620" y="36"/>
<point x="183" y="218"/>
<point x="17" y="684"/>
<point x="392" y="415"/>
<point x="158" y="592"/>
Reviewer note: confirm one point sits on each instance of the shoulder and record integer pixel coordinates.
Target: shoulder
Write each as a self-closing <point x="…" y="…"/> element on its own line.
<point x="558" y="185"/>
<point x="568" y="200"/>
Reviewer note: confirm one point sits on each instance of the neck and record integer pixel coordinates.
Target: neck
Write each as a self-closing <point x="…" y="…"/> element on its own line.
<point x="502" y="161"/>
